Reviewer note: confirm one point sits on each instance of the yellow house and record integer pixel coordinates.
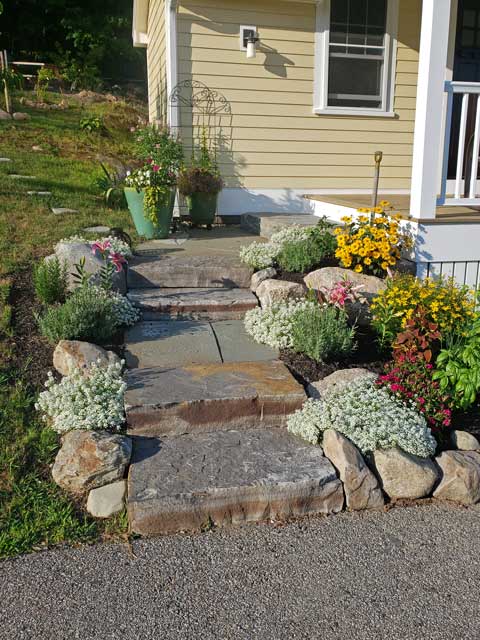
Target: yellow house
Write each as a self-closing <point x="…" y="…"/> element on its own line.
<point x="305" y="92"/>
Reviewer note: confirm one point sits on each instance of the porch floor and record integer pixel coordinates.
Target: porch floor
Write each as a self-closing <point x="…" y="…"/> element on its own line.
<point x="401" y="204"/>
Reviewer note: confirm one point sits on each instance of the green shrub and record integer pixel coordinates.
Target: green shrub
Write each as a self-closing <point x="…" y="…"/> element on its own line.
<point x="323" y="334"/>
<point x="92" y="124"/>
<point x="50" y="281"/>
<point x="86" y="315"/>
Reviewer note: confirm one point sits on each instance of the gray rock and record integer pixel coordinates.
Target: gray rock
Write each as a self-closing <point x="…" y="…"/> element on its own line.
<point x="193" y="303"/>
<point x="71" y="354"/>
<point x="19" y="115"/>
<point x="210" y="397"/>
<point x="361" y="487"/>
<point x="100" y="229"/>
<point x="4" y="115"/>
<point x="404" y="475"/>
<point x="59" y="210"/>
<point x="5" y="159"/>
<point x="90" y="459"/>
<point x="188" y="271"/>
<point x="464" y="441"/>
<point x="273" y="291"/>
<point x="39" y="193"/>
<point x="260" y="276"/>
<point x="73" y="252"/>
<point x="227" y="477"/>
<point x="329" y="276"/>
<point x="37" y="148"/>
<point x="461" y="477"/>
<point x="338" y="379"/>
<point x="105" y="501"/>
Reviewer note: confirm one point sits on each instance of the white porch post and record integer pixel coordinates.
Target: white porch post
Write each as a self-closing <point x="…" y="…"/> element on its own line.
<point x="428" y="137"/>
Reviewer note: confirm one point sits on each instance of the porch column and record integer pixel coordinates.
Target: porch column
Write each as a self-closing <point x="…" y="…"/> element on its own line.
<point x="428" y="137"/>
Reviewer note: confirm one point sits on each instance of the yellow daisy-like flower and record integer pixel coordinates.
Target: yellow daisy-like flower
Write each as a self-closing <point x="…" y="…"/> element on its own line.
<point x="358" y="268"/>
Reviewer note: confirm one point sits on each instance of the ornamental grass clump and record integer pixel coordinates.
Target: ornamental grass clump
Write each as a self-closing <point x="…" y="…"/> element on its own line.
<point x="86" y="400"/>
<point x="273" y="325"/>
<point x="371" y="243"/>
<point x="369" y="416"/>
<point x="50" y="278"/>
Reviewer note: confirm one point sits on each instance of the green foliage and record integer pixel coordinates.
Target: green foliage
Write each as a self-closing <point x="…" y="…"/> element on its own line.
<point x="458" y="367"/>
<point x="303" y="255"/>
<point x="157" y="146"/>
<point x="323" y="334"/>
<point x="197" y="180"/>
<point x="50" y="281"/>
<point x="110" y="184"/>
<point x="85" y="315"/>
<point x="92" y="124"/>
<point x="44" y="76"/>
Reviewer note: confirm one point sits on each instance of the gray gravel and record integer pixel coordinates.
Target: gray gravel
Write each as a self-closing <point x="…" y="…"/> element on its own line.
<point x="409" y="573"/>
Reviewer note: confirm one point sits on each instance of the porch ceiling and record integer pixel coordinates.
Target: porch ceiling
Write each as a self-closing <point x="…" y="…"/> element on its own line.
<point x="401" y="204"/>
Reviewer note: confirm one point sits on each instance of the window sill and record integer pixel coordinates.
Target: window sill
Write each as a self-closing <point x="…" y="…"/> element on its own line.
<point x="363" y="113"/>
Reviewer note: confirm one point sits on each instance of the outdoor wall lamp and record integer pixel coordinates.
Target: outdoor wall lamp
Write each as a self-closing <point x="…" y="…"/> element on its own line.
<point x="248" y="41"/>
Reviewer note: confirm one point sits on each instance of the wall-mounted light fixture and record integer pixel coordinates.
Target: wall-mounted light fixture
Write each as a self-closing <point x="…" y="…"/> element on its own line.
<point x="249" y="40"/>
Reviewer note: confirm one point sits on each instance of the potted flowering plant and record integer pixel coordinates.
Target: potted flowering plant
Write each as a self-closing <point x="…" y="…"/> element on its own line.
<point x="200" y="184"/>
<point x="150" y="189"/>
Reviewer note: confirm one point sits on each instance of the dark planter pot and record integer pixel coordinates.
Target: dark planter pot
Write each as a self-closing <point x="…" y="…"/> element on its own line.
<point x="143" y="225"/>
<point x="203" y="207"/>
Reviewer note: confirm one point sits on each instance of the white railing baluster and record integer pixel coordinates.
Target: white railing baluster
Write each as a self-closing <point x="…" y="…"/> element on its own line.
<point x="476" y="152"/>
<point x="461" y="146"/>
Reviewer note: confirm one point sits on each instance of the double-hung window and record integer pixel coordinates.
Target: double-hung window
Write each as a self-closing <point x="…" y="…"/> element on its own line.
<point x="355" y="56"/>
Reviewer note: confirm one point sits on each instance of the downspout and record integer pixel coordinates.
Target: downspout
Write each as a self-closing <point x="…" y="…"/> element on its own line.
<point x="173" y="118"/>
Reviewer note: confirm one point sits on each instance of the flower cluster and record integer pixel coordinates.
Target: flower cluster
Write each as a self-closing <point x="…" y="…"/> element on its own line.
<point x="273" y="325"/>
<point x="116" y="245"/>
<point x="124" y="313"/>
<point x="449" y="306"/>
<point x="369" y="416"/>
<point x="87" y="400"/>
<point x="369" y="244"/>
<point x="259" y="255"/>
<point x="149" y="176"/>
<point x="342" y="293"/>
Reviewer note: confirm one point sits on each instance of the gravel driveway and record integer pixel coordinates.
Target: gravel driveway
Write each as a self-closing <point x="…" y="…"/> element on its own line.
<point x="410" y="573"/>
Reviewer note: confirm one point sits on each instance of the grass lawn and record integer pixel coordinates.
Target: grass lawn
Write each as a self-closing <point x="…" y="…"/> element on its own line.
<point x="34" y="512"/>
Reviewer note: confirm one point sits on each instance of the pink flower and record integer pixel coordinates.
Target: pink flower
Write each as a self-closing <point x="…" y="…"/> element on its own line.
<point x="156" y="167"/>
<point x="421" y="400"/>
<point x="101" y="247"/>
<point x="118" y="261"/>
<point x="429" y="366"/>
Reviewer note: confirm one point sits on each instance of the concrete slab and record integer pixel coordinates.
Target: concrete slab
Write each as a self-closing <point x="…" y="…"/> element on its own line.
<point x="180" y="271"/>
<point x="193" y="303"/>
<point x="210" y="397"/>
<point x="170" y="344"/>
<point x="237" y="346"/>
<point x="265" y="224"/>
<point x="229" y="477"/>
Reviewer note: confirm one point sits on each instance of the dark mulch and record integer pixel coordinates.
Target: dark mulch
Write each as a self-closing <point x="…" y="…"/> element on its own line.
<point x="367" y="356"/>
<point x="32" y="355"/>
<point x="468" y="420"/>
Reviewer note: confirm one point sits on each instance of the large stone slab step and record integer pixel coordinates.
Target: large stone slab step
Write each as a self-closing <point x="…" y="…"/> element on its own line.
<point x="231" y="477"/>
<point x="211" y="397"/>
<point x="266" y="224"/>
<point x="193" y="303"/>
<point x="188" y="271"/>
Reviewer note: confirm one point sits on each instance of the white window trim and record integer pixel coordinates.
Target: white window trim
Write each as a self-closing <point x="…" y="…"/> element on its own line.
<point x="322" y="37"/>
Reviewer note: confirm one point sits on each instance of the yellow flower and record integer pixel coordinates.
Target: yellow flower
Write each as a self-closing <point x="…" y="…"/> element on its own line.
<point x="358" y="268"/>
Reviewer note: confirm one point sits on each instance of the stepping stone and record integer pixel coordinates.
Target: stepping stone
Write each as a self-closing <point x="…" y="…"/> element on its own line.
<point x="101" y="230"/>
<point x="237" y="346"/>
<point x="266" y="224"/>
<point x="170" y="344"/>
<point x="228" y="477"/>
<point x="188" y="271"/>
<point x="193" y="304"/>
<point x="18" y="176"/>
<point x="39" y="193"/>
<point x="59" y="210"/>
<point x="210" y="397"/>
<point x="5" y="160"/>
<point x="157" y="247"/>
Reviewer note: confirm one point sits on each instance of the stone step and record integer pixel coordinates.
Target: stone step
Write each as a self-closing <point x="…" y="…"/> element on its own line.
<point x="175" y="343"/>
<point x="181" y="271"/>
<point x="193" y="303"/>
<point x="210" y="397"/>
<point x="187" y="482"/>
<point x="265" y="224"/>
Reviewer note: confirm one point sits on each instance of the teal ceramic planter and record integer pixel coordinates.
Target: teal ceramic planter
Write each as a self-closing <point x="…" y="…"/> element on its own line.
<point x="142" y="224"/>
<point x="203" y="207"/>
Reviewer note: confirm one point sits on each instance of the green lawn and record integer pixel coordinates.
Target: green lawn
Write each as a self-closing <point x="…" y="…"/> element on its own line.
<point x="33" y="511"/>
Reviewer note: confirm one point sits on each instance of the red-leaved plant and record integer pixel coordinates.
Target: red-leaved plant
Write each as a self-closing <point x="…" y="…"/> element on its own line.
<point x="409" y="374"/>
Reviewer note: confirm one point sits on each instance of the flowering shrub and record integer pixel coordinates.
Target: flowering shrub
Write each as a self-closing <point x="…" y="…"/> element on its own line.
<point x="446" y="304"/>
<point x="409" y="376"/>
<point x="369" y="245"/>
<point x="116" y="245"/>
<point x="273" y="325"/>
<point x="91" y="401"/>
<point x="369" y="416"/>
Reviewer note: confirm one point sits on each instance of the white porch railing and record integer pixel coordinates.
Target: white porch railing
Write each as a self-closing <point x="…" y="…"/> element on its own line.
<point x="466" y="177"/>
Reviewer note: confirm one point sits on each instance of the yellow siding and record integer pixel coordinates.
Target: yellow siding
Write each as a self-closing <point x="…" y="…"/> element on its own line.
<point x="156" y="57"/>
<point x="273" y="138"/>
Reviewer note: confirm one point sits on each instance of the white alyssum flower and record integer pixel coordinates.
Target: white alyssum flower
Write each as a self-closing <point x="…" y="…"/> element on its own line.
<point x="90" y="400"/>
<point x="126" y="314"/>
<point x="369" y="416"/>
<point x="260" y="255"/>
<point x="117" y="245"/>
<point x="273" y="325"/>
